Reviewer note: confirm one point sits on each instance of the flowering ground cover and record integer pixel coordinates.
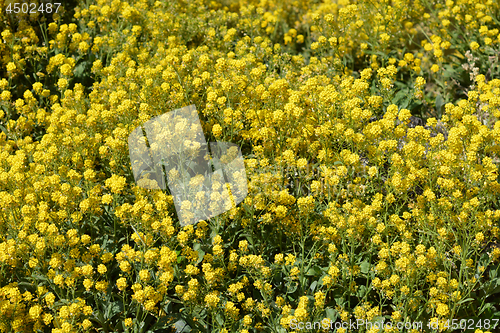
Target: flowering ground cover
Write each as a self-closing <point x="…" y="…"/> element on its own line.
<point x="370" y="132"/>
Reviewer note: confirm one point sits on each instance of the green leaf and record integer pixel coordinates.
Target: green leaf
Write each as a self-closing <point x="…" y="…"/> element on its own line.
<point x="465" y="300"/>
<point x="496" y="289"/>
<point x="39" y="277"/>
<point x="494" y="273"/>
<point x="219" y="319"/>
<point x="401" y="96"/>
<point x="415" y="107"/>
<point x="180" y="258"/>
<point x="201" y="253"/>
<point x="365" y="267"/>
<point x="291" y="288"/>
<point x="485" y="308"/>
<point x="79" y="69"/>
<point x="331" y="314"/>
<point x="340" y="301"/>
<point x="378" y="319"/>
<point x="113" y="309"/>
<point x="25" y="285"/>
<point x="439" y="105"/>
<point x="313" y="285"/>
<point x="314" y="271"/>
<point x="361" y="292"/>
<point x="3" y="129"/>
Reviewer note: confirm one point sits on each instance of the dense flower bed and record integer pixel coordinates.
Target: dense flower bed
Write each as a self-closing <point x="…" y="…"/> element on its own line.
<point x="370" y="135"/>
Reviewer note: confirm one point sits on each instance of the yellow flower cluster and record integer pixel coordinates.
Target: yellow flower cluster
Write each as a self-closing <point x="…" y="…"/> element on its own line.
<point x="355" y="210"/>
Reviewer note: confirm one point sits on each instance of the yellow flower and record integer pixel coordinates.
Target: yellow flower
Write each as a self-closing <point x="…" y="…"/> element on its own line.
<point x="384" y="37"/>
<point x="107" y="199"/>
<point x="62" y="83"/>
<point x="66" y="69"/>
<point x="192" y="270"/>
<point x="301" y="163"/>
<point x="83" y="47"/>
<point x="479" y="237"/>
<point x="442" y="309"/>
<point x="59" y="280"/>
<point x="11" y="67"/>
<point x="247" y="320"/>
<point x="128" y="322"/>
<point x="102" y="269"/>
<point x="50" y="298"/>
<point x="420" y="82"/>
<point x="121" y="283"/>
<point x="33" y="262"/>
<point x="37" y="87"/>
<point x="281" y="211"/>
<point x="396" y="315"/>
<point x="212" y="300"/>
<point x="35" y="312"/>
<point x="243" y="245"/>
<point x="87" y="283"/>
<point x="404" y="115"/>
<point x="217" y="130"/>
<point x="5" y="95"/>
<point x="474" y="46"/>
<point x="116" y="183"/>
<point x="101" y="286"/>
<point x="431" y="122"/>
<point x="144" y="275"/>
